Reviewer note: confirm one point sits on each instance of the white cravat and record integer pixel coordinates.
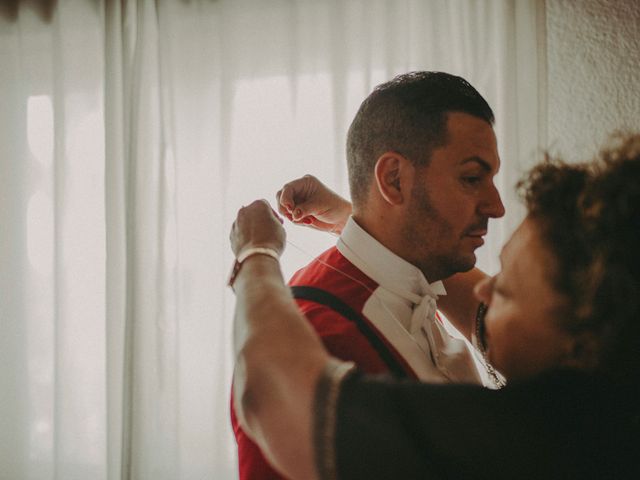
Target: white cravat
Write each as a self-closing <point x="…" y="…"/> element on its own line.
<point x="424" y="310"/>
<point x="450" y="356"/>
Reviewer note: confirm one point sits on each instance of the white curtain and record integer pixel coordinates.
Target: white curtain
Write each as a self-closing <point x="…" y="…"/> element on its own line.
<point x="130" y="134"/>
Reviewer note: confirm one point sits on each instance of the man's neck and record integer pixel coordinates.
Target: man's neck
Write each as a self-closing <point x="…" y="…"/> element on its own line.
<point x="388" y="233"/>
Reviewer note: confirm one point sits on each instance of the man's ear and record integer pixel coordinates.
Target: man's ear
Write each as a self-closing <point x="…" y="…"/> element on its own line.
<point x="394" y="175"/>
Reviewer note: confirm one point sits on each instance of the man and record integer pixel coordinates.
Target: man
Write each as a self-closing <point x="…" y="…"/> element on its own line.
<point x="421" y="155"/>
<point x="570" y="345"/>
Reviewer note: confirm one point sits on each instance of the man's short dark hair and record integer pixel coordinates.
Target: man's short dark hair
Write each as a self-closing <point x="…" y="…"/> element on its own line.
<point x="407" y="115"/>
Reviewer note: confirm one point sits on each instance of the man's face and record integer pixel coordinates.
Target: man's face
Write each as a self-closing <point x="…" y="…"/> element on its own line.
<point x="522" y="327"/>
<point x="452" y="199"/>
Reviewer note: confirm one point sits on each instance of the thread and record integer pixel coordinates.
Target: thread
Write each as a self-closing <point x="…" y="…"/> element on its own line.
<point x="346" y="275"/>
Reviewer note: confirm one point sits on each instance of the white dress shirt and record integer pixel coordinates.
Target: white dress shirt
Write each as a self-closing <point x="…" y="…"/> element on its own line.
<point x="403" y="309"/>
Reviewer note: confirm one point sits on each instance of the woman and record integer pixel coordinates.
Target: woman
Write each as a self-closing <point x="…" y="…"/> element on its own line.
<point x="562" y="326"/>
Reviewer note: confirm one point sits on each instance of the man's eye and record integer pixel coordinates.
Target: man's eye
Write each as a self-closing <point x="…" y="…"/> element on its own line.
<point x="471" y="180"/>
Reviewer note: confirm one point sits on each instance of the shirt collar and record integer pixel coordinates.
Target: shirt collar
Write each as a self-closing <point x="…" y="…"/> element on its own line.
<point x="382" y="265"/>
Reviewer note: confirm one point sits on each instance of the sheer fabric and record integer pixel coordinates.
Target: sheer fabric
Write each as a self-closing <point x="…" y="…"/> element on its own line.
<point x="130" y="134"/>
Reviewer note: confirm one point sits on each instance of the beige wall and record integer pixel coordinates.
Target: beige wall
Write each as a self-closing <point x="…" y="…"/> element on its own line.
<point x="593" y="72"/>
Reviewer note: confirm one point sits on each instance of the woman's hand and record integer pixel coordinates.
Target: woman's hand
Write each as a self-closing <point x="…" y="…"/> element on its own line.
<point x="308" y="201"/>
<point x="257" y="225"/>
<point x="265" y="357"/>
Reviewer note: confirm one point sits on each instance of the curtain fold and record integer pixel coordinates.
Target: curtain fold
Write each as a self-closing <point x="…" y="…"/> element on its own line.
<point x="131" y="131"/>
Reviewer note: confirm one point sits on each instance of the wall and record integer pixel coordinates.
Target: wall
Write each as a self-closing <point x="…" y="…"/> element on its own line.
<point x="593" y="73"/>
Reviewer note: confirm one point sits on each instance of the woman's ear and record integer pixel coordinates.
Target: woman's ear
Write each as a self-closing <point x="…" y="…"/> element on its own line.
<point x="394" y="175"/>
<point x="584" y="352"/>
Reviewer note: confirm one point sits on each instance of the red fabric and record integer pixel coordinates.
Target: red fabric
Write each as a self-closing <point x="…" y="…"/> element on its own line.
<point x="340" y="336"/>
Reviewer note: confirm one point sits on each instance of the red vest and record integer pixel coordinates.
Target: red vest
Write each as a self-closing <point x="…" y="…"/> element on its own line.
<point x="342" y="337"/>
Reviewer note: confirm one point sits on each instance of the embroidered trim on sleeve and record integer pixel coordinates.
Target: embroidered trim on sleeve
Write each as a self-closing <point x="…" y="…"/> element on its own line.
<point x="325" y="405"/>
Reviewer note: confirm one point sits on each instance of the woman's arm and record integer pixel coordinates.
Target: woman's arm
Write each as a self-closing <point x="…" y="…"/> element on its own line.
<point x="279" y="358"/>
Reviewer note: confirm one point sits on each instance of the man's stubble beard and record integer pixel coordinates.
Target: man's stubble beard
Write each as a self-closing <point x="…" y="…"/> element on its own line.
<point x="426" y="233"/>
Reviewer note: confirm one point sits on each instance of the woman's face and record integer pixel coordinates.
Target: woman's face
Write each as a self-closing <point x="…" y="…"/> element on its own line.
<point x="523" y="336"/>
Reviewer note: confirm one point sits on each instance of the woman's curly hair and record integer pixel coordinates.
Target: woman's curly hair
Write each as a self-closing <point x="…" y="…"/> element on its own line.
<point x="589" y="215"/>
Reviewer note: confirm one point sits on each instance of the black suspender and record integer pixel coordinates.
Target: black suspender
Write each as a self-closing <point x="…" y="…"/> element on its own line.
<point x="323" y="297"/>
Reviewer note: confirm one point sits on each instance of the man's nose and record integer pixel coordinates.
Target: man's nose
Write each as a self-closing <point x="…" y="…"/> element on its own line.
<point x="492" y="206"/>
